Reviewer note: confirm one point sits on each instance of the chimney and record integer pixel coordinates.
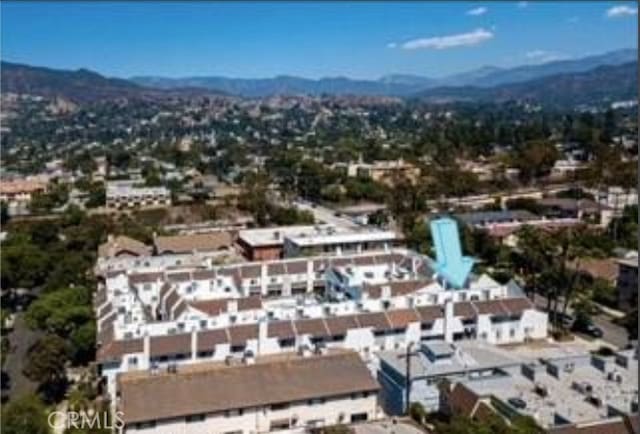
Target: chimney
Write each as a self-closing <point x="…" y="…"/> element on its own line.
<point x="262" y="336"/>
<point x="448" y="321"/>
<point x="385" y="292"/>
<point x="194" y="344"/>
<point x="146" y="347"/>
<point x="232" y="306"/>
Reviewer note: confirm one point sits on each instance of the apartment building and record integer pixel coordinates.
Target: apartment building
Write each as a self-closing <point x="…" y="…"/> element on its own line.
<point x="198" y="242"/>
<point x="289" y="393"/>
<point x="17" y="194"/>
<point x="20" y="190"/>
<point x="128" y="194"/>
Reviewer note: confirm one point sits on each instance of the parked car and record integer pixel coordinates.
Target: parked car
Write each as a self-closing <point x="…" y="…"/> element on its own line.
<point x="588" y="328"/>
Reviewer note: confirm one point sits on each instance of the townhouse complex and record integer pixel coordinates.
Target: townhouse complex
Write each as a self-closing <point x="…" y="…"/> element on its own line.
<point x="171" y="320"/>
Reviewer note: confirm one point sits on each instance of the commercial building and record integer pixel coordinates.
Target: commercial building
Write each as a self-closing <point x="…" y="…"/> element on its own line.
<point x="293" y="241"/>
<point x="583" y="393"/>
<point x="581" y="209"/>
<point x="127" y="194"/>
<point x="287" y="393"/>
<point x="431" y="362"/>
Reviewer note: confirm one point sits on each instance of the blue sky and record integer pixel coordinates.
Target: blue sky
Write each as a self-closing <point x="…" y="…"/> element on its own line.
<point x="311" y="39"/>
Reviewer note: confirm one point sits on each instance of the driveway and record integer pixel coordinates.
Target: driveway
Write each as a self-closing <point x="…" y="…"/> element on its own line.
<point x="21" y="339"/>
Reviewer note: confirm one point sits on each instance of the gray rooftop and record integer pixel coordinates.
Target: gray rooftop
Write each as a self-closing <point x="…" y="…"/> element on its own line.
<point x="488" y="217"/>
<point x="454" y="358"/>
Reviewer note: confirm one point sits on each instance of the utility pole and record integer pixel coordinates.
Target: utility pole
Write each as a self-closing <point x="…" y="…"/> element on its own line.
<point x="407" y="377"/>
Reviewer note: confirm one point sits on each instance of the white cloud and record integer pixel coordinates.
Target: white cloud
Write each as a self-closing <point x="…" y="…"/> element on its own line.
<point x="475" y="37"/>
<point x="522" y="5"/>
<point x="392" y="45"/>
<point x="544" y="56"/>
<point x="478" y="11"/>
<point x="621" y="11"/>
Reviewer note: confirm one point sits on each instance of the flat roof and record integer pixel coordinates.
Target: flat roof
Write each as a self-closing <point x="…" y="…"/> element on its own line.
<point x="275" y="235"/>
<point x="467" y="356"/>
<point x="337" y="238"/>
<point x="216" y="387"/>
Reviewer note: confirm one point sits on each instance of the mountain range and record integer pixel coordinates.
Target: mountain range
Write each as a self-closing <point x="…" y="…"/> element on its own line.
<point x="80" y="86"/>
<point x="593" y="79"/>
<point x="390" y="85"/>
<point x="603" y="84"/>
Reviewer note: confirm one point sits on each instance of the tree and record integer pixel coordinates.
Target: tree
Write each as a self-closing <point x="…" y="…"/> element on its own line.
<point x="4" y="213"/>
<point x="417" y="412"/>
<point x="46" y="361"/>
<point x="60" y="312"/>
<point x="24" y="265"/>
<point x="535" y="160"/>
<point x="25" y="415"/>
<point x="83" y="343"/>
<point x="254" y="196"/>
<point x="97" y="195"/>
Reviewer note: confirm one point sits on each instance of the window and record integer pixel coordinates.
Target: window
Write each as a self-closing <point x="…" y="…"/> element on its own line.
<point x="194" y="418"/>
<point x="231" y="413"/>
<point x="316" y="401"/>
<point x="205" y="354"/>
<point x="287" y="343"/>
<point x="146" y="286"/>
<point x="281" y="406"/>
<point x="512" y="333"/>
<point x="238" y="348"/>
<point x="359" y="417"/>
<point x="145" y="425"/>
<point x="133" y="361"/>
<point x="282" y="424"/>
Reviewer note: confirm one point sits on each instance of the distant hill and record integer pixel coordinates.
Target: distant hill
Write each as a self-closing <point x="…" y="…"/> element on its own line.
<point x="287" y="85"/>
<point x="79" y="86"/>
<point x="603" y="84"/>
<point x="390" y="85"/>
<point x="531" y="72"/>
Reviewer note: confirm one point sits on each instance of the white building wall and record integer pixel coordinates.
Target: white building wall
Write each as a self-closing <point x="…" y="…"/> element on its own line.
<point x="258" y="420"/>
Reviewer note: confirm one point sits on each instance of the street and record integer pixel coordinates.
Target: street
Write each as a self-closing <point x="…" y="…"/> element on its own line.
<point x="613" y="334"/>
<point x="326" y="215"/>
<point x="21" y="339"/>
